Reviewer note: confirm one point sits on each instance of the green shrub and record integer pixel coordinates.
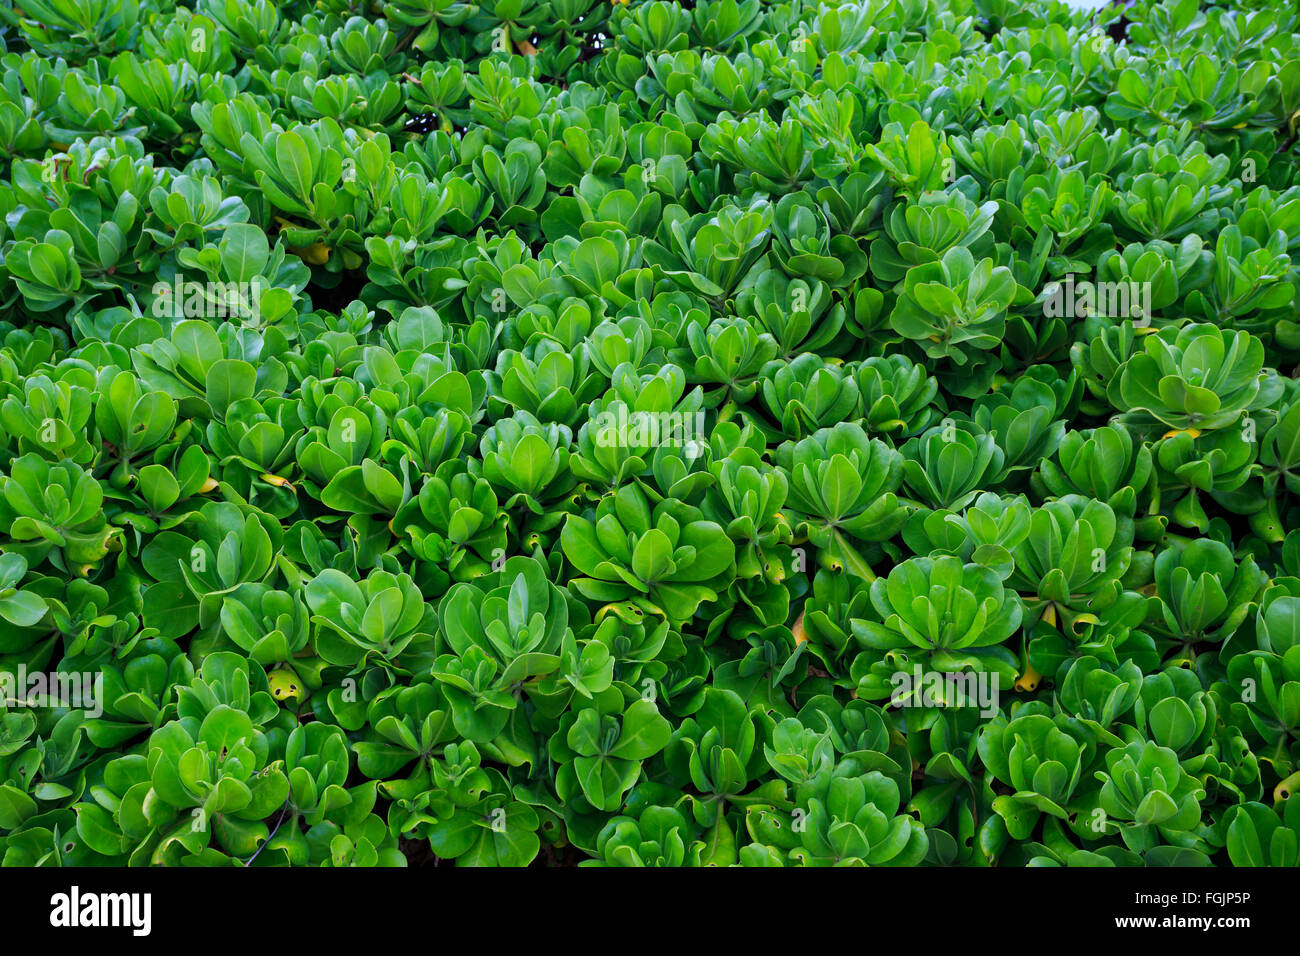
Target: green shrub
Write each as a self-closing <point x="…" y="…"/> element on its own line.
<point x="649" y="433"/>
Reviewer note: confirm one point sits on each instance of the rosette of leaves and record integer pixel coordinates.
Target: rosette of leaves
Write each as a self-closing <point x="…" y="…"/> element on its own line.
<point x="955" y="310"/>
<point x="828" y="610"/>
<point x="1175" y="711"/>
<point x="254" y="445"/>
<point x="1167" y="269"/>
<point x="600" y="749"/>
<point x="139" y="692"/>
<point x="710" y="254"/>
<point x="189" y="206"/>
<point x="1202" y="595"/>
<point x="993" y="153"/>
<point x="1024" y="421"/>
<point x="270" y="626"/>
<point x="700" y="87"/>
<point x="746" y="500"/>
<point x="914" y="157"/>
<point x="628" y="340"/>
<point x="767" y="156"/>
<point x="804" y="244"/>
<point x="807" y="394"/>
<point x="605" y="267"/>
<point x="160" y="94"/>
<point x="897" y="395"/>
<point x="547" y="380"/>
<point x="638" y="650"/>
<point x="45" y="759"/>
<point x="380" y="619"/>
<point x="587" y="668"/>
<point x="1249" y="284"/>
<point x="667" y="560"/>
<point x="54" y="258"/>
<point x="300" y="172"/>
<point x="1260" y="693"/>
<point x="1100" y="356"/>
<point x="567" y="321"/>
<point x="924" y="229"/>
<point x="853" y="203"/>
<point x="1108" y="465"/>
<point x="659" y="836"/>
<point x="842" y="490"/>
<point x="419" y="441"/>
<point x="800" y="313"/>
<point x="228" y="678"/>
<point x="950" y="463"/>
<point x="858" y="730"/>
<point x="410" y="273"/>
<point x="316" y="761"/>
<point x="639" y="421"/>
<point x="984" y="533"/>
<point x="594" y="209"/>
<point x="1218" y="463"/>
<point x="947" y="796"/>
<point x="273" y="274"/>
<point x="53" y="512"/>
<point x="473" y="817"/>
<point x="91" y="618"/>
<point x="798" y="753"/>
<point x="1072" y="564"/>
<point x="1101" y="694"/>
<point x="1043" y="760"/>
<point x="767" y="671"/>
<point x="504" y="633"/>
<point x="525" y="460"/>
<point x="731" y="354"/>
<point x="719" y="753"/>
<point x="1153" y="798"/>
<point x="1197" y="377"/>
<point x="428" y="15"/>
<point x="1169" y="206"/>
<point x="947" y="614"/>
<point x="132" y="422"/>
<point x="195" y="365"/>
<point x="688" y="672"/>
<point x="402" y="727"/>
<point x="436" y="403"/>
<point x="1069" y="205"/>
<point x="162" y="495"/>
<point x="455" y="521"/>
<point x="841" y="817"/>
<point x="644" y="31"/>
<point x="353" y="836"/>
<point x="1228" y="765"/>
<point x="200" y="779"/>
<point x="220" y="550"/>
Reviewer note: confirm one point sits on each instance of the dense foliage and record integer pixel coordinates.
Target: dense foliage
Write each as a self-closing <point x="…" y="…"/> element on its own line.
<point x="650" y="433"/>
